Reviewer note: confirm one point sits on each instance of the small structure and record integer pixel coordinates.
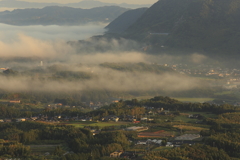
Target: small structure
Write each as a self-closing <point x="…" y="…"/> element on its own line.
<point x="195" y="116"/>
<point x="159" y="142"/>
<point x="144" y="118"/>
<point x="169" y="144"/>
<point x="110" y="118"/>
<point x="34" y="118"/>
<point x="116" y="154"/>
<point x="142" y="142"/>
<point x="21" y="120"/>
<point x="14" y="101"/>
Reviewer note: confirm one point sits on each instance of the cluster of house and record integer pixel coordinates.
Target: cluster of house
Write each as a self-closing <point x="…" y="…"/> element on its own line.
<point x="195" y="116"/>
<point x="204" y="70"/>
<point x="61" y="118"/>
<point x="11" y="120"/>
<point x="176" y="142"/>
<point x="58" y="105"/>
<point x="128" y="118"/>
<point x="92" y="105"/>
<point x="46" y="118"/>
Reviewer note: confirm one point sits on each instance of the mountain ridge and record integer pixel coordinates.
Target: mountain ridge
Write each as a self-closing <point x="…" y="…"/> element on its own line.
<point x="55" y="15"/>
<point x="82" y="4"/>
<point x="125" y="20"/>
<point x="210" y="26"/>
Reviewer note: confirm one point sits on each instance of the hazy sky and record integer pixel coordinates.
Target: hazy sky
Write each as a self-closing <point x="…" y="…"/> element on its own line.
<point x="54" y="32"/>
<point x="108" y="1"/>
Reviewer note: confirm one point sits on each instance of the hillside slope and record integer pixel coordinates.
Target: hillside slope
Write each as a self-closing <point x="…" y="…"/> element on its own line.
<point x="207" y="25"/>
<point x="125" y="20"/>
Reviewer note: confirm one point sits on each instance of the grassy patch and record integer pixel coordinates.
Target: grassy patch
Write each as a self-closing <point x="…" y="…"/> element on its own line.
<point x="43" y="148"/>
<point x="186" y="99"/>
<point x="99" y="124"/>
<point x="4" y="100"/>
<point x="185" y="119"/>
<point x="223" y="93"/>
<point x="162" y="148"/>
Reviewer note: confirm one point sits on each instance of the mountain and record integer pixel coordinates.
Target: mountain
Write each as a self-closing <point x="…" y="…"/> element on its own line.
<point x="56" y="15"/>
<point x="85" y="4"/>
<point x="93" y="3"/>
<point x="211" y="26"/>
<point x="125" y="20"/>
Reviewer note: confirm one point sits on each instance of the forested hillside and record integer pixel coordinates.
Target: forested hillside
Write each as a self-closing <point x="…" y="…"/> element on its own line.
<point x="202" y="25"/>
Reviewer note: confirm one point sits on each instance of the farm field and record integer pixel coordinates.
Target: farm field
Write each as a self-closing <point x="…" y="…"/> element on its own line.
<point x="190" y="128"/>
<point x="81" y="124"/>
<point x="224" y="93"/>
<point x="200" y="100"/>
<point x="42" y="148"/>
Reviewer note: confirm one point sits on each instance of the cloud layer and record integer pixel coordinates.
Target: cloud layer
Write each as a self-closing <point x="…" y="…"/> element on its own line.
<point x="23" y="51"/>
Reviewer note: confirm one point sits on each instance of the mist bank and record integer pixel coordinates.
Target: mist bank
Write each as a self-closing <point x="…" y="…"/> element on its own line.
<point x="10" y="33"/>
<point x="94" y="66"/>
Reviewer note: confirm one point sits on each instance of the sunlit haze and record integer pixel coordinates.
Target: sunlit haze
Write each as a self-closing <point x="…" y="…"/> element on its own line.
<point x="106" y="1"/>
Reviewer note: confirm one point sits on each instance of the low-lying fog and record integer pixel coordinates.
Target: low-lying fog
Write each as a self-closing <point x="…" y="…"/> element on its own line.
<point x="26" y="49"/>
<point x="53" y="32"/>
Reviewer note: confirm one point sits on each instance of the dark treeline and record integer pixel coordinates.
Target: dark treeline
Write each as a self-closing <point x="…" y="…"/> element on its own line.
<point x="138" y="107"/>
<point x="132" y="107"/>
<point x="138" y="67"/>
<point x="198" y="151"/>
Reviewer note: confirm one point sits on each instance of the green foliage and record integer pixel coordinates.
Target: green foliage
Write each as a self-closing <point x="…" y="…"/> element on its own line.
<point x="112" y="137"/>
<point x="58" y="151"/>
<point x="198" y="151"/>
<point x="120" y="108"/>
<point x="172" y="104"/>
<point x="229" y="142"/>
<point x="15" y="150"/>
